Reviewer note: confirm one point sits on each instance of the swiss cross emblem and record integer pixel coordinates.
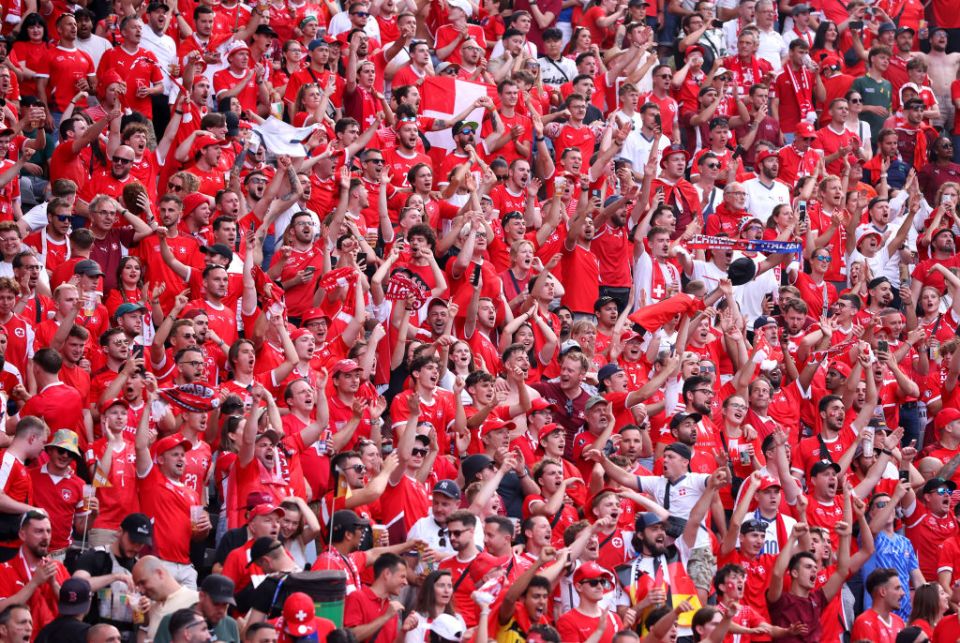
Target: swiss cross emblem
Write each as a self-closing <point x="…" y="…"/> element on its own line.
<point x="301" y="615"/>
<point x="66" y="494"/>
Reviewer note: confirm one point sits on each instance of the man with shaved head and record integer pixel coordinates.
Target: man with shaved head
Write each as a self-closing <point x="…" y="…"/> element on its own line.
<point x="162" y="593"/>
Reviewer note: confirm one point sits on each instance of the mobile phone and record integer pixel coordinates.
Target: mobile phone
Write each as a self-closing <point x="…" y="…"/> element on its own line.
<point x="475" y="277"/>
<point x="362" y="260"/>
<point x="883" y="346"/>
<point x="856" y="24"/>
<point x="594" y="194"/>
<point x="658" y="120"/>
<point x="904" y="476"/>
<point x="717" y="23"/>
<point x="737" y="153"/>
<point x="946" y="199"/>
<point x="801" y="211"/>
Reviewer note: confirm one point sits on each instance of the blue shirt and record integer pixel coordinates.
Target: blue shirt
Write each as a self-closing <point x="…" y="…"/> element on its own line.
<point x="896" y="552"/>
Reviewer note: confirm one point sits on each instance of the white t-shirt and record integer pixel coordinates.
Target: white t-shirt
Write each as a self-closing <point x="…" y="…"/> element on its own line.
<point x="683" y="496"/>
<point x="761" y="200"/>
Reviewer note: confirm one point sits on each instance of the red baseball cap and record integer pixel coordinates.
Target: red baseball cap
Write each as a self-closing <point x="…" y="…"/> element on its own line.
<point x="265" y="509"/>
<point x="539" y="404"/>
<point x="945" y="417"/>
<point x="805" y="130"/>
<point x="767" y="482"/>
<point x="345" y="366"/>
<point x="495" y="425"/>
<point x="314" y="313"/>
<point x="840" y="367"/>
<point x="589" y="571"/>
<point x="163" y="445"/>
<point x="117" y="400"/>
<point x="299" y="618"/>
<point x="765" y="154"/>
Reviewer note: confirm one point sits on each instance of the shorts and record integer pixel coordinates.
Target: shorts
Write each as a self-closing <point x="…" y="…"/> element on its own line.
<point x="701" y="568"/>
<point x="184" y="574"/>
<point x="97" y="537"/>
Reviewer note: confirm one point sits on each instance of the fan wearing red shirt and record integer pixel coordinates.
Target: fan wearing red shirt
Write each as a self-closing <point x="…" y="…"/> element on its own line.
<point x="115" y="459"/>
<point x="55" y="402"/>
<point x="929" y="522"/>
<point x="590" y="582"/>
<point x="879" y="623"/>
<point x="59" y="492"/>
<point x="796" y="87"/>
<point x="137" y="66"/>
<point x="469" y="567"/>
<point x="369" y="613"/>
<point x="575" y="133"/>
<point x="65" y="70"/>
<point x="578" y="260"/>
<point x="835" y="140"/>
<point x="239" y="80"/>
<point x="405" y="500"/>
<point x="436" y="405"/>
<point x="165" y="499"/>
<point x="32" y="563"/>
<point x="748" y="555"/>
<point x="404" y="156"/>
<point x="456" y="31"/>
<point x="72" y="155"/>
<point x="28" y="441"/>
<point x="515" y="138"/>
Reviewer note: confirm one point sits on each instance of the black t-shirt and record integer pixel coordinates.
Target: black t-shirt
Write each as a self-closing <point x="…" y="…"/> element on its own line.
<point x="64" y="629"/>
<point x="97" y="562"/>
<point x="231" y="540"/>
<point x="269" y="596"/>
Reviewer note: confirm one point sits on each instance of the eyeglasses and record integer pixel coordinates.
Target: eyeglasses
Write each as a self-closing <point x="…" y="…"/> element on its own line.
<point x="121" y="342"/>
<point x="418" y="453"/>
<point x="194" y="363"/>
<point x="736" y="405"/>
<point x="362" y="14"/>
<point x="455" y="533"/>
<point x="705" y="391"/>
<point x="359" y="468"/>
<point x="106" y="212"/>
<point x="177" y="188"/>
<point x="712" y="166"/>
<point x="119" y="160"/>
<point x="881" y="505"/>
<point x="855" y="101"/>
<point x="665" y="76"/>
<point x="737" y="193"/>
<point x="442" y="538"/>
<point x="595" y="582"/>
<point x="374" y="161"/>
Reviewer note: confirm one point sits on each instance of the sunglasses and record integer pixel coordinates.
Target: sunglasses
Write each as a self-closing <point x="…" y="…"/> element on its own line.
<point x="374" y="161"/>
<point x="418" y="452"/>
<point x="457" y="532"/>
<point x="826" y="259"/>
<point x="712" y="166"/>
<point x="178" y="188"/>
<point x="62" y="218"/>
<point x="362" y="14"/>
<point x="120" y="160"/>
<point x="466" y="130"/>
<point x="359" y="468"/>
<point x="855" y="101"/>
<point x="595" y="582"/>
<point x="942" y="491"/>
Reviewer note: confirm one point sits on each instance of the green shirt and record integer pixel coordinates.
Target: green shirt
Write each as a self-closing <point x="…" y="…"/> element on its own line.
<point x="874" y="92"/>
<point x="225" y="631"/>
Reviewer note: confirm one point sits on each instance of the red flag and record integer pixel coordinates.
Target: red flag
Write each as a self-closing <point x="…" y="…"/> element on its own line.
<point x="656" y="315"/>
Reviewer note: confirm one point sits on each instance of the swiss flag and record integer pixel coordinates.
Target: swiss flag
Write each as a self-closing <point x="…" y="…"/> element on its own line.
<point x="444" y="97"/>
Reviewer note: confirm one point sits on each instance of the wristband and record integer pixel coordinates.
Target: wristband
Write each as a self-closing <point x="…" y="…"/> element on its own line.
<point x="539" y="138"/>
<point x="886" y="452"/>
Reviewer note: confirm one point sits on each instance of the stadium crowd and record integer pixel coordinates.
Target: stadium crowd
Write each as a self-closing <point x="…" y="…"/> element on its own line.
<point x="442" y="321"/>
